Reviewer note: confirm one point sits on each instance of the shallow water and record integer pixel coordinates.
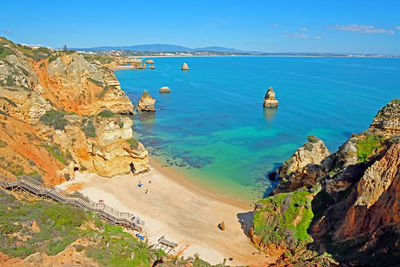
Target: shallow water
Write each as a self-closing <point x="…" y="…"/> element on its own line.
<point x="213" y="126"/>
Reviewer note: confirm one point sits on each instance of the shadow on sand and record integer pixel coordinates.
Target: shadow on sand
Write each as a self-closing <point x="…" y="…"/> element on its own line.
<point x="246" y="221"/>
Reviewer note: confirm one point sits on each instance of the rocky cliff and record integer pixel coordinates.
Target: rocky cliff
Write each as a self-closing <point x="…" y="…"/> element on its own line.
<point x="354" y="197"/>
<point x="60" y="113"/>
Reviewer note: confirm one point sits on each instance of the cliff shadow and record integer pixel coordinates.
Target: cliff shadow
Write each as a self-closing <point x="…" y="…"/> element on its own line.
<point x="272" y="177"/>
<point x="246" y="221"/>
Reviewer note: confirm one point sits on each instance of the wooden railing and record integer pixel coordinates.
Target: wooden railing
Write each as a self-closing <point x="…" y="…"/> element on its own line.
<point x="115" y="217"/>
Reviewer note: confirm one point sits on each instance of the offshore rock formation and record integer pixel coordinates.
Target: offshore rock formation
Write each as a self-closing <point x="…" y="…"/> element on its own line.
<point x="354" y="198"/>
<point x="270" y="100"/>
<point x="184" y="67"/>
<point x="146" y="103"/>
<point x="151" y="67"/>
<point x="60" y="113"/>
<point x="165" y="89"/>
<point x="149" y="61"/>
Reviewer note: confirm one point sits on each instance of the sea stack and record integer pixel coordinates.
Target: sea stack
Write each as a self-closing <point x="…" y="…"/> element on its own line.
<point x="151" y="67"/>
<point x="270" y="100"/>
<point x="150" y="61"/>
<point x="146" y="103"/>
<point x="165" y="89"/>
<point x="184" y="67"/>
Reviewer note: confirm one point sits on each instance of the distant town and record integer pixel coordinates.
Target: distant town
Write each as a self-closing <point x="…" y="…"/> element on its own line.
<point x="160" y="51"/>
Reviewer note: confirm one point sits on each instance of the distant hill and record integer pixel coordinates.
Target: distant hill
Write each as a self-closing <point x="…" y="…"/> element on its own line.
<point x="163" y="48"/>
<point x="220" y="49"/>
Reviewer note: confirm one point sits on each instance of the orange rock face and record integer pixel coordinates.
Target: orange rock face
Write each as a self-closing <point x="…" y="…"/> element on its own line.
<point x="61" y="113"/>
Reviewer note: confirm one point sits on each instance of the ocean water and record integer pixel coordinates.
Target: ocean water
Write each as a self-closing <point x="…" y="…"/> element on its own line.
<point x="212" y="125"/>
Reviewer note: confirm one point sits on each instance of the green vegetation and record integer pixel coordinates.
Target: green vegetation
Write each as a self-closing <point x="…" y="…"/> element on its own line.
<point x="366" y="146"/>
<point x="284" y="218"/>
<point x="53" y="57"/>
<point x="312" y="139"/>
<point x="3" y="144"/>
<point x="133" y="143"/>
<point x="59" y="225"/>
<point x="88" y="128"/>
<point x="54" y="118"/>
<point x="10" y="81"/>
<point x="103" y="93"/>
<point x="102" y="59"/>
<point x="96" y="82"/>
<point x="5" y="51"/>
<point x="56" y="152"/>
<point x="106" y="113"/>
<point x="16" y="169"/>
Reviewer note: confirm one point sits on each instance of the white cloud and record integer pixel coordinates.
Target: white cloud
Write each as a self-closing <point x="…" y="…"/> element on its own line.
<point x="304" y="29"/>
<point x="275" y="25"/>
<point x="398" y="28"/>
<point x="296" y="35"/>
<point x="365" y="29"/>
<point x="316" y="37"/>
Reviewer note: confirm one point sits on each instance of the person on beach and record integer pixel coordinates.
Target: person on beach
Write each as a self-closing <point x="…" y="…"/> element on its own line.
<point x="147" y="190"/>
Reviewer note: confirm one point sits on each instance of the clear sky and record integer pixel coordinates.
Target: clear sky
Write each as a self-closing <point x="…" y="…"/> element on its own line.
<point x="365" y="26"/>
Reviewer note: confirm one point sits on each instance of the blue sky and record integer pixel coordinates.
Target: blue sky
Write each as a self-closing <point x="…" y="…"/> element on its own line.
<point x="364" y="26"/>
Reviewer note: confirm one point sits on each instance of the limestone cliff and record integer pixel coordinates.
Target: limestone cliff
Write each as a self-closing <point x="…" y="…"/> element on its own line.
<point x="355" y="210"/>
<point x="60" y="113"/>
<point x="302" y="169"/>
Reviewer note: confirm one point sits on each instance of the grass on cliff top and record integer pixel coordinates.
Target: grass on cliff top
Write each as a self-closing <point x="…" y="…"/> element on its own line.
<point x="284" y="218"/>
<point x="365" y="147"/>
<point x="103" y="59"/>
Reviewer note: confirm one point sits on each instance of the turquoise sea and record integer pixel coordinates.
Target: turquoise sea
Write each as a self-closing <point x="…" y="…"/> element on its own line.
<point x="213" y="127"/>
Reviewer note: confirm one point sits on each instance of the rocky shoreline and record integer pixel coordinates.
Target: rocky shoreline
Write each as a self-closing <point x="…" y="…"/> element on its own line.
<point x="340" y="208"/>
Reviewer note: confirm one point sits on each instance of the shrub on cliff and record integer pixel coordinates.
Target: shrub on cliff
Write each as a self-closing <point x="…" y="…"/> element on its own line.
<point x="106" y="113"/>
<point x="133" y="143"/>
<point x="88" y="128"/>
<point x="366" y="146"/>
<point x="54" y="118"/>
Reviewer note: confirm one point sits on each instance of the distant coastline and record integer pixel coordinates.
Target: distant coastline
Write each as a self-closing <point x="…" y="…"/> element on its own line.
<point x="269" y="55"/>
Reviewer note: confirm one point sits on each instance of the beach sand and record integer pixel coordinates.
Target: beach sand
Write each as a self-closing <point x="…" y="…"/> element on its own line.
<point x="180" y="210"/>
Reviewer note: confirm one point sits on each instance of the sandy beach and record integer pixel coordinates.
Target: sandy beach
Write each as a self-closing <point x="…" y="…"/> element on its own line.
<point x="180" y="210"/>
<point x="122" y="67"/>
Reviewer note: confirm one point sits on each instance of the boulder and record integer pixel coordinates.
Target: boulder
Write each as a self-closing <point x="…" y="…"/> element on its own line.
<point x="151" y="67"/>
<point x="146" y="103"/>
<point x="270" y="100"/>
<point x="165" y="89"/>
<point x="184" y="67"/>
<point x="150" y="61"/>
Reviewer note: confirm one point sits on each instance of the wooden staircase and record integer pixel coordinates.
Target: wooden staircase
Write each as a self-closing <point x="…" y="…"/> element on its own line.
<point x="115" y="217"/>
